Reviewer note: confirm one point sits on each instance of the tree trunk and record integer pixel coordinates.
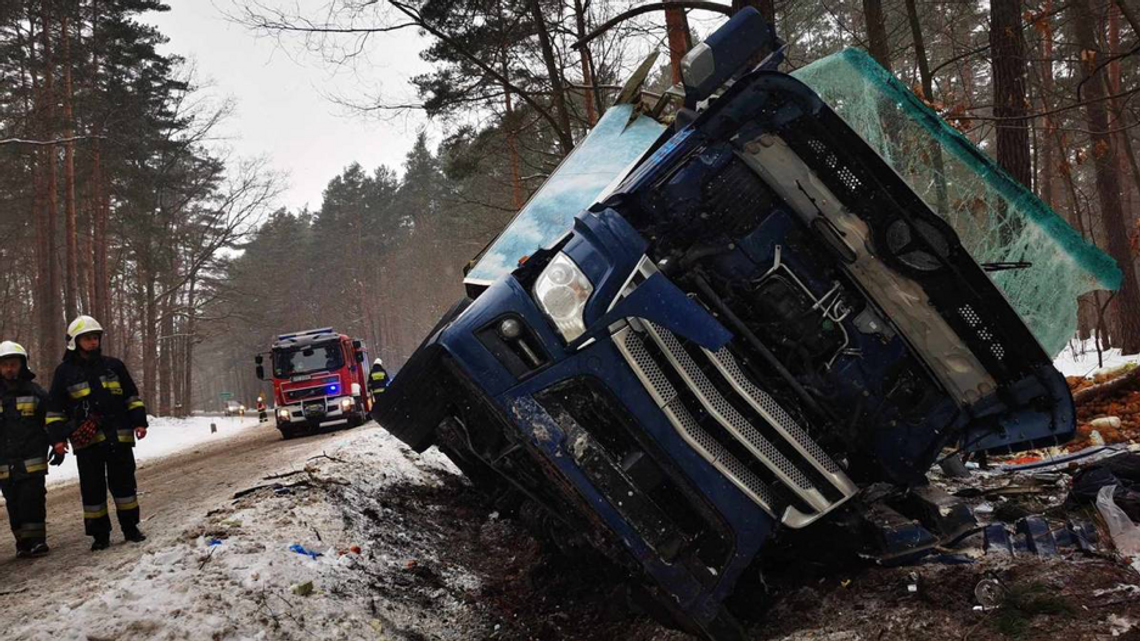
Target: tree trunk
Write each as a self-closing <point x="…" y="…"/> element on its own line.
<point x="165" y="344"/>
<point x="679" y="37"/>
<point x="101" y="213"/>
<point x="1008" y="54"/>
<point x="880" y="49"/>
<point x="50" y="293"/>
<point x="150" y="340"/>
<point x="933" y="149"/>
<point x="558" y="91"/>
<point x="767" y="8"/>
<point x="1107" y="166"/>
<point x="587" y="64"/>
<point x="1048" y="169"/>
<point x="71" y="251"/>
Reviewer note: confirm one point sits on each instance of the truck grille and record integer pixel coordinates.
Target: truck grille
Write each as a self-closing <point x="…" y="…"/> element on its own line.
<point x="309" y="392"/>
<point x="799" y="468"/>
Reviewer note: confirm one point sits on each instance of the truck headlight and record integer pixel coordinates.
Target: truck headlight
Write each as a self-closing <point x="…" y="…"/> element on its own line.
<point x="562" y="291"/>
<point x="283" y="414"/>
<point x="346" y="404"/>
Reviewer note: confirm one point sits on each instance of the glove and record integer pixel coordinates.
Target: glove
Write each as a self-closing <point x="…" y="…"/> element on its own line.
<point x="58" y="453"/>
<point x="140" y="432"/>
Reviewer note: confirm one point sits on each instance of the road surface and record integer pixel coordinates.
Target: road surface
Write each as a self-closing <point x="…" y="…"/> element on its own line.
<point x="172" y="491"/>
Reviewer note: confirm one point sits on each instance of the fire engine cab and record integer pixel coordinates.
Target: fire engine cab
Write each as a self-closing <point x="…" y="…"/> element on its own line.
<point x="319" y="381"/>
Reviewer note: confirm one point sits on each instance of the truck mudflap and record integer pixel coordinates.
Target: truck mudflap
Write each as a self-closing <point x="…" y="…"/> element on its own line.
<point x="417" y="399"/>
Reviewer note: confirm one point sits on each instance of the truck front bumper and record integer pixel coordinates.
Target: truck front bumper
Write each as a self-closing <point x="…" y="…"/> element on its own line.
<point x="588" y="426"/>
<point x="319" y="413"/>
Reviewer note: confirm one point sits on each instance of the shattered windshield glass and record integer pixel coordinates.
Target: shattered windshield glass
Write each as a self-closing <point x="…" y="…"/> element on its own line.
<point x="1039" y="261"/>
<point x="307" y="359"/>
<point x="618" y="139"/>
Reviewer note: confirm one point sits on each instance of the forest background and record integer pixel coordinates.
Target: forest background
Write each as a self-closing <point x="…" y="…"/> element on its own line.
<point x="117" y="201"/>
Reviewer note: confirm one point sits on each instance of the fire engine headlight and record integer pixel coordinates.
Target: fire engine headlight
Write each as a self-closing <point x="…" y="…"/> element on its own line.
<point x="562" y="291"/>
<point x="282" y="414"/>
<point x="346" y="404"/>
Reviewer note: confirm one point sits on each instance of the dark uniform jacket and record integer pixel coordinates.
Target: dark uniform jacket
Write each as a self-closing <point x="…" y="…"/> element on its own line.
<point x="99" y="387"/>
<point x="23" y="439"/>
<point x="377" y="379"/>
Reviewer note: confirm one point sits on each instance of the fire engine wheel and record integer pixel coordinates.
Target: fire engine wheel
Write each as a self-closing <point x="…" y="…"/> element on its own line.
<point x="287" y="432"/>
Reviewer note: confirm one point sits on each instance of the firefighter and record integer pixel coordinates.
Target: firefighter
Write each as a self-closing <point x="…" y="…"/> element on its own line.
<point x="23" y="451"/>
<point x="261" y="409"/>
<point x="377" y="378"/>
<point x="95" y="404"/>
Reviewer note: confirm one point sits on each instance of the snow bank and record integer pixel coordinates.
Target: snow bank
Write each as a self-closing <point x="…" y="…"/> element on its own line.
<point x="167" y="436"/>
<point x="231" y="575"/>
<point x="1080" y="359"/>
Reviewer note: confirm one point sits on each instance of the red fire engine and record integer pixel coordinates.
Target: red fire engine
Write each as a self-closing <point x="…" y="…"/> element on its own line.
<point x="319" y="381"/>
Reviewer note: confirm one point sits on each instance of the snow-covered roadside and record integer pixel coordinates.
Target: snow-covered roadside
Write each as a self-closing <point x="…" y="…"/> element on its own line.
<point x="232" y="574"/>
<point x="167" y="436"/>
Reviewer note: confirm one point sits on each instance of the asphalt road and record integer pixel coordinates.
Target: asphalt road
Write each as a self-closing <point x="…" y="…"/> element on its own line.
<point x="173" y="492"/>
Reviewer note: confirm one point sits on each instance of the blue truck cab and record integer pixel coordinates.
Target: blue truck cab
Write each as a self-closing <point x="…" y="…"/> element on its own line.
<point x="750" y="317"/>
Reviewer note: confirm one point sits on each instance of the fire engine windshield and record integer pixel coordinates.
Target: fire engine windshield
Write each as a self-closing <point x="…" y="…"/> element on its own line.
<point x="302" y="360"/>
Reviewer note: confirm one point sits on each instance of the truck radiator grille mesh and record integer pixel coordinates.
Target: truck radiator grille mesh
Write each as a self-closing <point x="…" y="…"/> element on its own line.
<point x="632" y="347"/>
<point x="810" y="477"/>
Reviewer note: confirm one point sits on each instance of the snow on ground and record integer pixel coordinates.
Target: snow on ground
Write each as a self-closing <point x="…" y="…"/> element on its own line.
<point x="232" y="574"/>
<point x="167" y="436"/>
<point x="1079" y="358"/>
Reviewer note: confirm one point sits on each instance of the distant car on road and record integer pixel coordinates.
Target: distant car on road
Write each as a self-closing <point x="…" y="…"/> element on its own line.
<point x="234" y="408"/>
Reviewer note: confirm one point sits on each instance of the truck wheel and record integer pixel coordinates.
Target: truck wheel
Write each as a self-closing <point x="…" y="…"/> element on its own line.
<point x="287" y="432"/>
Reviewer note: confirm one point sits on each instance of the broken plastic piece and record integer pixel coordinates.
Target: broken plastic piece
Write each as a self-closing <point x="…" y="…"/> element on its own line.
<point x="300" y="549"/>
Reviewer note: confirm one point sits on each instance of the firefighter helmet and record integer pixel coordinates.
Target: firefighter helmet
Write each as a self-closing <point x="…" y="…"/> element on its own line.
<point x="80" y="326"/>
<point x="378" y="362"/>
<point x="10" y="348"/>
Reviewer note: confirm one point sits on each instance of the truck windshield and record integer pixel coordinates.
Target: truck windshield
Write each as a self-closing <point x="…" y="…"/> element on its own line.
<point x="302" y="360"/>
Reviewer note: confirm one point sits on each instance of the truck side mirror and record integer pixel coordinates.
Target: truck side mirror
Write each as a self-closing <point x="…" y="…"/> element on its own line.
<point x="360" y="357"/>
<point x="258" y="359"/>
<point x="260" y="373"/>
<point x="358" y="344"/>
<point x="727" y="51"/>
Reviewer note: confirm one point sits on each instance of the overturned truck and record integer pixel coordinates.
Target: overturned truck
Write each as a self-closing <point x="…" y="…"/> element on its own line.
<point x="698" y="334"/>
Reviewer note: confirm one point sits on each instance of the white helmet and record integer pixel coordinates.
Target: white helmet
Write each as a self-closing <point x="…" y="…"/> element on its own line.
<point x="378" y="362"/>
<point x="80" y="326"/>
<point x="10" y="348"/>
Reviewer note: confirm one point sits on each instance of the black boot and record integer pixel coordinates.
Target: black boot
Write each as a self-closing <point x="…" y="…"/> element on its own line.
<point x="132" y="534"/>
<point x="38" y="549"/>
<point x="22" y="551"/>
<point x="102" y="542"/>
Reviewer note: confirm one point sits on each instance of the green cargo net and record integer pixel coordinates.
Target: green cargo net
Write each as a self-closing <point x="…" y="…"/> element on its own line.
<point x="1044" y="263"/>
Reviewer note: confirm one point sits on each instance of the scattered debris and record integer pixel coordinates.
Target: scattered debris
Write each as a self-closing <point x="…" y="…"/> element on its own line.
<point x="302" y="589"/>
<point x="1124" y="533"/>
<point x="300" y="549"/>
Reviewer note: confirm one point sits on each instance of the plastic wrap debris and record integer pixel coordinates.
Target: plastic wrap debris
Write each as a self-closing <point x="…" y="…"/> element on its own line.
<point x="1121" y="472"/>
<point x="1125" y="534"/>
<point x="1000" y="223"/>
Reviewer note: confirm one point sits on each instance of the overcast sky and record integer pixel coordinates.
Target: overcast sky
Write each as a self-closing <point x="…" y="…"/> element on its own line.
<point x="283" y="109"/>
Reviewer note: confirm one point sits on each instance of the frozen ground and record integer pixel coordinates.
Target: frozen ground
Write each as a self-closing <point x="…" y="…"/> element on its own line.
<point x="167" y="436"/>
<point x="407" y="551"/>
